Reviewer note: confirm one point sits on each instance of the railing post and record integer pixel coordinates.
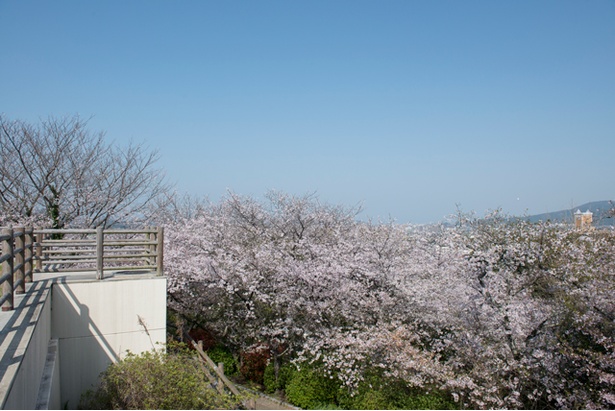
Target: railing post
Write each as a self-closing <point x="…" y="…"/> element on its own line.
<point x="147" y="248"/>
<point x="159" y="250"/>
<point x="150" y="248"/>
<point x="28" y="255"/>
<point x="39" y="251"/>
<point x="7" y="269"/>
<point x="100" y="247"/>
<point x="18" y="273"/>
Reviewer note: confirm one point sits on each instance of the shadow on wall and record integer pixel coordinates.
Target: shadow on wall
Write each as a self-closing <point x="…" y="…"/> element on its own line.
<point x="96" y="322"/>
<point x="84" y="350"/>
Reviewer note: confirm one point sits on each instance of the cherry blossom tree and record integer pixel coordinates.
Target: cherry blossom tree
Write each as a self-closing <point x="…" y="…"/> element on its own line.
<point x="492" y="312"/>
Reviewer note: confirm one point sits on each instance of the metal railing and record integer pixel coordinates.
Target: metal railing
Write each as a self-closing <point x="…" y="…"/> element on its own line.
<point x="26" y="251"/>
<point x="16" y="261"/>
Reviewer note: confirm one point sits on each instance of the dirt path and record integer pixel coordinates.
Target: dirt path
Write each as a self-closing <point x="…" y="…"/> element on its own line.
<point x="264" y="403"/>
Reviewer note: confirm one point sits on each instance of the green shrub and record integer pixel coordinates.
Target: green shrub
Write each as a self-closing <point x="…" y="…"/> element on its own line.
<point x="285" y="374"/>
<point x="309" y="388"/>
<point x="427" y="401"/>
<point x="220" y="354"/>
<point x="269" y="380"/>
<point x="368" y="399"/>
<point x="378" y="392"/>
<point x="155" y="380"/>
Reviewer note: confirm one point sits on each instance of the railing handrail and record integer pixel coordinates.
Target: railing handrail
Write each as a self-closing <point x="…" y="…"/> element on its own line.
<point x="22" y="247"/>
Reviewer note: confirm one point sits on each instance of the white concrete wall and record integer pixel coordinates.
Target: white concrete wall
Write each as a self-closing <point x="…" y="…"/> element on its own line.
<point x="97" y="322"/>
<point x="25" y="339"/>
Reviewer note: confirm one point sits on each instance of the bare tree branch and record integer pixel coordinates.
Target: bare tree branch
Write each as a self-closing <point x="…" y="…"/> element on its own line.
<point x="61" y="169"/>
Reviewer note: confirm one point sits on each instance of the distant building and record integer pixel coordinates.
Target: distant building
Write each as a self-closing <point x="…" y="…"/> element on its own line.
<point x="583" y="220"/>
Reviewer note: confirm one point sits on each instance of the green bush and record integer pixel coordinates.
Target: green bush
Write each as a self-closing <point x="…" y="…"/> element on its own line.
<point x="427" y="401"/>
<point x="285" y="374"/>
<point x="364" y="399"/>
<point x="269" y="381"/>
<point x="155" y="380"/>
<point x="378" y="392"/>
<point x="311" y="389"/>
<point x="220" y="354"/>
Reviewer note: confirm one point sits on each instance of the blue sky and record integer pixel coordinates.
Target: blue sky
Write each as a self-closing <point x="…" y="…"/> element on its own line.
<point x="409" y="108"/>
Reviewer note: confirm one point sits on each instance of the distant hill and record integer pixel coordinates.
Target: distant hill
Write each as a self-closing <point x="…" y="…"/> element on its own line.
<point x="599" y="208"/>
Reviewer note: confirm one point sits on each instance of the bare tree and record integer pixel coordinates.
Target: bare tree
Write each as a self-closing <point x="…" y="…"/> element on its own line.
<point x="73" y="176"/>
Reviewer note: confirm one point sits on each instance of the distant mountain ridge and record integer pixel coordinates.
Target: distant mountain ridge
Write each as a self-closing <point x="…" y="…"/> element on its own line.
<point x="600" y="209"/>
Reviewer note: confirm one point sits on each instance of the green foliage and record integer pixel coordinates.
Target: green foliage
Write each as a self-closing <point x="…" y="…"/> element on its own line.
<point x="427" y="401"/>
<point x="308" y="388"/>
<point x="389" y="399"/>
<point x="380" y="393"/>
<point x="269" y="380"/>
<point x="220" y="354"/>
<point x="155" y="380"/>
<point x="285" y="374"/>
<point x="367" y="399"/>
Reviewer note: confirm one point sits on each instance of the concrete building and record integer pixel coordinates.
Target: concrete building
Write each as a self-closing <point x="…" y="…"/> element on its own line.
<point x="583" y="221"/>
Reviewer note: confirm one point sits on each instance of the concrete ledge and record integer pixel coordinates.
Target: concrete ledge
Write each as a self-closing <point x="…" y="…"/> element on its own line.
<point x="49" y="390"/>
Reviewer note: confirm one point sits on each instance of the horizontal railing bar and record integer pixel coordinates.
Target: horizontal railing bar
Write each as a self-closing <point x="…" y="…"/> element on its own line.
<point x="48" y="269"/>
<point x="46" y="258"/>
<point x="5" y="237"/>
<point x="125" y="257"/>
<point x="118" y="253"/>
<point x="129" y="231"/>
<point x="85" y="263"/>
<point x="65" y="231"/>
<point x="92" y="231"/>
<point x="70" y="258"/>
<point x="81" y="251"/>
<point x="51" y="261"/>
<point x="5" y="257"/>
<point x="68" y="248"/>
<point x="67" y="243"/>
<point x="128" y="243"/>
<point x="131" y="267"/>
<point x="115" y="251"/>
<point x="92" y="243"/>
<point x="80" y="269"/>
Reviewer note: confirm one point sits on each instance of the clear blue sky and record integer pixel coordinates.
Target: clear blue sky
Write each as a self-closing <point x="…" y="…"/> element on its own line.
<point x="407" y="107"/>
